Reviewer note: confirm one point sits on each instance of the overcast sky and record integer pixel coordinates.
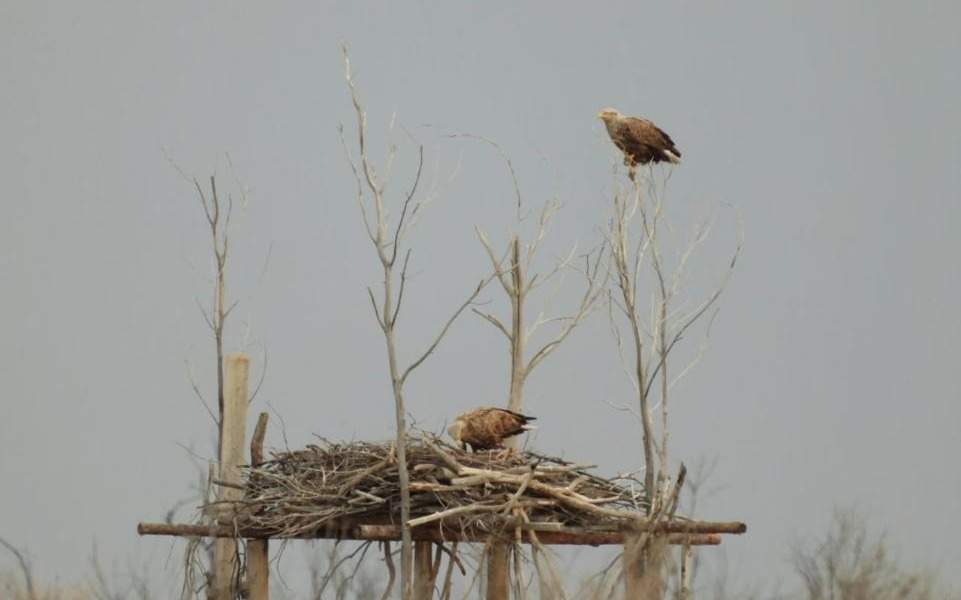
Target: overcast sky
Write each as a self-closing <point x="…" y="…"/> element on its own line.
<point x="832" y="129"/>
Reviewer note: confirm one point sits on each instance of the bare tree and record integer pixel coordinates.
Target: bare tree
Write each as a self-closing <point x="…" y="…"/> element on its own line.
<point x="655" y="326"/>
<point x="518" y="281"/>
<point x="515" y="272"/>
<point x="388" y="239"/>
<point x="848" y="564"/>
<point x="656" y="322"/>
<point x="218" y="210"/>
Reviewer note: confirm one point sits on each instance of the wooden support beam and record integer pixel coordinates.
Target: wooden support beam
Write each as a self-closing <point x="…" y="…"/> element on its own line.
<point x="423" y="570"/>
<point x="258" y="553"/>
<point x="226" y="569"/>
<point x="498" y="570"/>
<point x="380" y="533"/>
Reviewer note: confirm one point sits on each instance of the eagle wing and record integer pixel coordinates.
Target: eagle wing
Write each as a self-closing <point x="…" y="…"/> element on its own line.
<point x="644" y="141"/>
<point x="488" y="427"/>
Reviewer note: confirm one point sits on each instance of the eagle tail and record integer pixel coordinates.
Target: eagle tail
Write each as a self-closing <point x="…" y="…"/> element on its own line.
<point x="673" y="156"/>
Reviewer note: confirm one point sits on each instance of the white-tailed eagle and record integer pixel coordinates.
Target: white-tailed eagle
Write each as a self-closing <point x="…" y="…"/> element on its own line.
<point x="486" y="428"/>
<point x="640" y="140"/>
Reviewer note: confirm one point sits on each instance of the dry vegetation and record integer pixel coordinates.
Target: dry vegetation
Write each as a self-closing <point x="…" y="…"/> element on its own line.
<point x="298" y="493"/>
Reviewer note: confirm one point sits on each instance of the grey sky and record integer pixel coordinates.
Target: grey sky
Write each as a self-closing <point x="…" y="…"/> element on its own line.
<point x="831" y="376"/>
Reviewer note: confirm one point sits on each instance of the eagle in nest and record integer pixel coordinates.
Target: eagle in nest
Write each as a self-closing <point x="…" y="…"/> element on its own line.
<point x="640" y="140"/>
<point x="486" y="428"/>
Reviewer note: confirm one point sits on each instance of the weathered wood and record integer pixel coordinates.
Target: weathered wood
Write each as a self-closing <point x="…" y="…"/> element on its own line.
<point x="380" y="533"/>
<point x="257" y="440"/>
<point x="643" y="577"/>
<point x="258" y="569"/>
<point x="498" y="571"/>
<point x="423" y="571"/>
<point x="258" y="550"/>
<point x="231" y="453"/>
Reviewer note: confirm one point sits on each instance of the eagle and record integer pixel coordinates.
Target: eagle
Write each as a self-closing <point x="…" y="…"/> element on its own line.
<point x="486" y="428"/>
<point x="640" y="140"/>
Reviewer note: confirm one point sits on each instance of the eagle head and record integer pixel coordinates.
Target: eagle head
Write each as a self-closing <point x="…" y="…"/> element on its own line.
<point x="608" y="114"/>
<point x="455" y="430"/>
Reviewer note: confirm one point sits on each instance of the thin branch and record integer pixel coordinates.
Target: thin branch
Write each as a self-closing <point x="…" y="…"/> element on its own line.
<point x="507" y="161"/>
<point x="391" y="572"/>
<point x="403" y="285"/>
<point x="702" y="308"/>
<point x="493" y="321"/>
<point x="495" y="262"/>
<point x="25" y="567"/>
<point x="443" y="331"/>
<point x="373" y="303"/>
<point x="403" y="213"/>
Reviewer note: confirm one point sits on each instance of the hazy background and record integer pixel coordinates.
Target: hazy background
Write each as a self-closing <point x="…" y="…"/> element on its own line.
<point x="833" y="128"/>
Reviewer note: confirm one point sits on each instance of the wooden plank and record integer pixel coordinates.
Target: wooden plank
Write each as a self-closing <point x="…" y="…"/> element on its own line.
<point x="382" y="533"/>
<point x="231" y="453"/>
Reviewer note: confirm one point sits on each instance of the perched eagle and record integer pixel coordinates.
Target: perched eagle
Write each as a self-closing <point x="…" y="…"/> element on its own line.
<point x="640" y="140"/>
<point x="486" y="428"/>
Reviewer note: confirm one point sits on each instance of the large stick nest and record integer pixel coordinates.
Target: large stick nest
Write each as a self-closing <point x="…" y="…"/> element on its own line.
<point x="297" y="493"/>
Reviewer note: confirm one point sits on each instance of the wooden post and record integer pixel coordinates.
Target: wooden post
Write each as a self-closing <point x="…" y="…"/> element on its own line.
<point x="643" y="554"/>
<point x="633" y="565"/>
<point x="258" y="565"/>
<point x="497" y="571"/>
<point x="226" y="569"/>
<point x="423" y="571"/>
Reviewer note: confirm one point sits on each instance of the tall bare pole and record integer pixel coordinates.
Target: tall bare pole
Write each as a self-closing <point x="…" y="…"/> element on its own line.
<point x="226" y="569"/>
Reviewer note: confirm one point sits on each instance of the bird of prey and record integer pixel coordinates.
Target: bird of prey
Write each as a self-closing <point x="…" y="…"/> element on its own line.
<point x="640" y="140"/>
<point x="486" y="428"/>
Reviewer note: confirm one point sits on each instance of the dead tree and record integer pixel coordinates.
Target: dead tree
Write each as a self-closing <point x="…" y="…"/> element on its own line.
<point x="656" y="323"/>
<point x="218" y="210"/>
<point x="388" y="239"/>
<point x="515" y="273"/>
<point x="848" y="564"/>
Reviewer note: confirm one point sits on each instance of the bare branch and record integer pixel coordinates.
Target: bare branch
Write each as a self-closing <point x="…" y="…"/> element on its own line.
<point x="25" y="567"/>
<point x="507" y="161"/>
<point x="200" y="396"/>
<point x="592" y="293"/>
<point x="360" y="187"/>
<point x="495" y="262"/>
<point x="443" y="331"/>
<point x="679" y="335"/>
<point x="403" y="285"/>
<point x="260" y="380"/>
<point x="391" y="572"/>
<point x="398" y="233"/>
<point x="493" y="321"/>
<point x="373" y="303"/>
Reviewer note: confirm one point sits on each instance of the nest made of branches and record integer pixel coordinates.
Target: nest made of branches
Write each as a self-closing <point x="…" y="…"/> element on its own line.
<point x="298" y="493"/>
